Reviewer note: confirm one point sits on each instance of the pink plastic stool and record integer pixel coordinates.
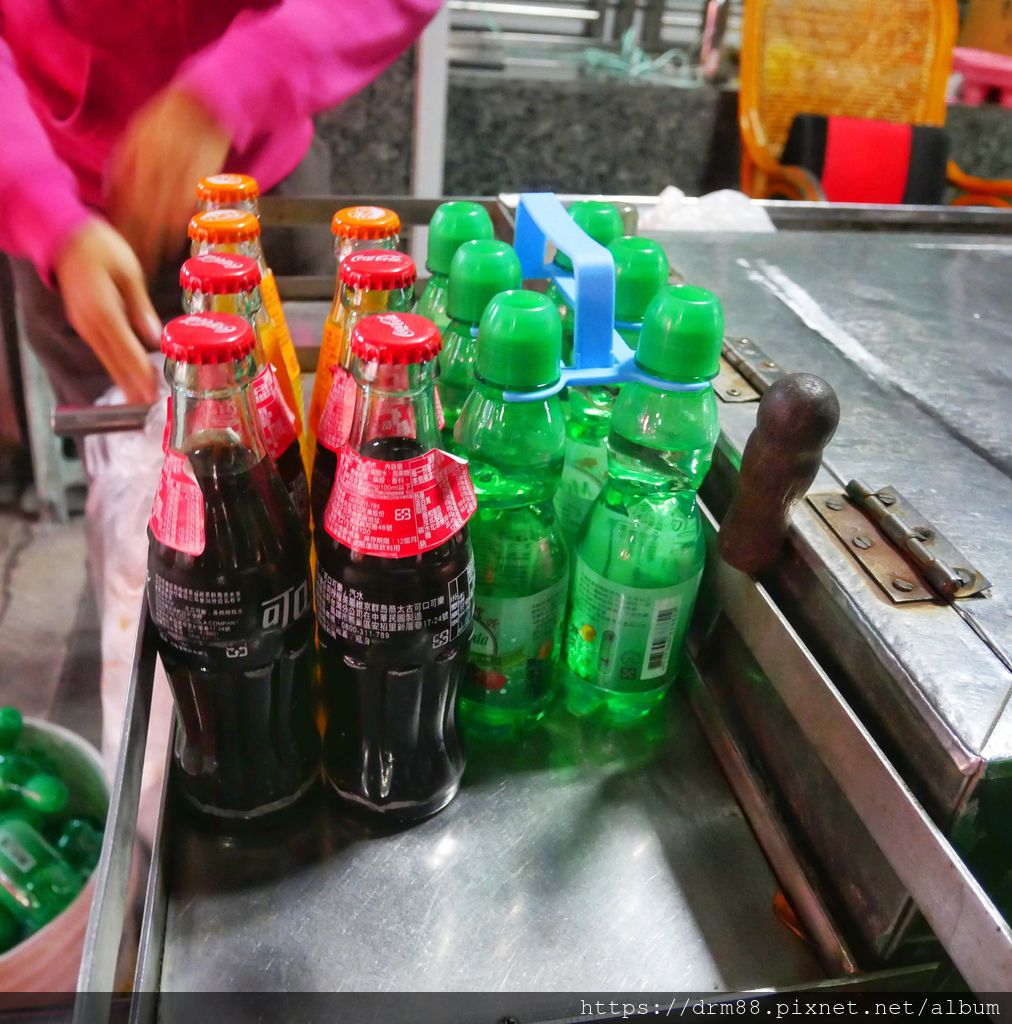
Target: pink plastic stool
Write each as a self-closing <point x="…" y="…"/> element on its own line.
<point x="983" y="71"/>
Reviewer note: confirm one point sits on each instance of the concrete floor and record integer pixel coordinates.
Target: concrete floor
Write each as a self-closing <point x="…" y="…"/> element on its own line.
<point x="49" y="631"/>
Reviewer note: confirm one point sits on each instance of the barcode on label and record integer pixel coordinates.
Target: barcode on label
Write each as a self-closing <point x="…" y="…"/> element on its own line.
<point x="662" y="632"/>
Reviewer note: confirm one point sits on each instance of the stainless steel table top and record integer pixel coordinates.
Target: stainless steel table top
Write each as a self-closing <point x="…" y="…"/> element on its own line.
<point x="575" y="861"/>
<point x="915" y="334"/>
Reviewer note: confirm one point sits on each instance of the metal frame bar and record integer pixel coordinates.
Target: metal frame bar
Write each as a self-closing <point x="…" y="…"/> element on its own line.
<point x="96" y="980"/>
<point x="963" y="918"/>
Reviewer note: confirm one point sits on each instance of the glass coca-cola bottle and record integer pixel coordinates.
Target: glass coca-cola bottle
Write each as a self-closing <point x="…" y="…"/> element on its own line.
<point x="228" y="283"/>
<point x="395" y="582"/>
<point x="228" y="584"/>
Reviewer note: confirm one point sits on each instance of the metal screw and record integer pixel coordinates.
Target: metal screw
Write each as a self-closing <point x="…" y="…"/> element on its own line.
<point x="734" y="392"/>
<point x="769" y="364"/>
<point x="744" y="341"/>
<point x="886" y="499"/>
<point x="835" y="504"/>
<point x="862" y="542"/>
<point x="507" y="1020"/>
<point x="901" y="584"/>
<point x="922" y="533"/>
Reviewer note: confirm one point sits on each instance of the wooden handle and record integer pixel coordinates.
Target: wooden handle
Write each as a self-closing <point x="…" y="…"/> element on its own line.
<point x="797" y="416"/>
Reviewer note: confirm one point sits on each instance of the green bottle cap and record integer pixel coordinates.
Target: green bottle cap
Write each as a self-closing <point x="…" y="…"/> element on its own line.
<point x="683" y="331"/>
<point x="453" y="224"/>
<point x="10" y="727"/>
<point x="602" y="221"/>
<point x="45" y="794"/>
<point x="480" y="270"/>
<point x="641" y="271"/>
<point x="520" y="342"/>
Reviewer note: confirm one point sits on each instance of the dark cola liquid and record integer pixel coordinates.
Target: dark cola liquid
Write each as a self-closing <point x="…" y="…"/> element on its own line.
<point x="236" y="639"/>
<point x="324" y="471"/>
<point x="391" y="744"/>
<point x="293" y="476"/>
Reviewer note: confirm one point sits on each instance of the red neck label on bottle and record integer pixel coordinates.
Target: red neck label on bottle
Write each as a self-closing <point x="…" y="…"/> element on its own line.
<point x="276" y="420"/>
<point x="177" y="515"/>
<point x="399" y="509"/>
<point x="335" y="420"/>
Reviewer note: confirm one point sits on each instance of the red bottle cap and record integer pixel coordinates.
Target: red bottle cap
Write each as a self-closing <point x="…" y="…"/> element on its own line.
<point x="395" y="339"/>
<point x="207" y="338"/>
<point x="378" y="270"/>
<point x="218" y="273"/>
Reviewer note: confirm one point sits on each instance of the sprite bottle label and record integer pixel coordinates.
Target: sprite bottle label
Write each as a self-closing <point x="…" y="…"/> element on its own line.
<point x="514" y="641"/>
<point x="620" y="637"/>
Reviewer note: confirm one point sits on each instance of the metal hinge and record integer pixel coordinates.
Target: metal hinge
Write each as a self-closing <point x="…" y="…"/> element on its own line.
<point x="901" y="550"/>
<point x="745" y="371"/>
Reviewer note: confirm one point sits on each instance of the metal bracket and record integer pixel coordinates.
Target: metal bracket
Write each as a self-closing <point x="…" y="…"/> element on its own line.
<point x="901" y="550"/>
<point x="730" y="386"/>
<point x="750" y="363"/>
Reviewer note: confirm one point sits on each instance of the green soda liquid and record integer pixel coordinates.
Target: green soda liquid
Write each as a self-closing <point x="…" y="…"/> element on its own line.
<point x="432" y="303"/>
<point x="456" y="374"/>
<point x="588" y="416"/>
<point x="515" y="453"/>
<point x="639" y="554"/>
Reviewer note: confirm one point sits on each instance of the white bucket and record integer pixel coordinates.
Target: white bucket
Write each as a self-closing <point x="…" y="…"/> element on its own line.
<point x="48" y="961"/>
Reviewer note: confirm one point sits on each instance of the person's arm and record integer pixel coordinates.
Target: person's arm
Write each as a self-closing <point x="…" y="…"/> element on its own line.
<point x="268" y="68"/>
<point x="42" y="219"/>
<point x="298" y="58"/>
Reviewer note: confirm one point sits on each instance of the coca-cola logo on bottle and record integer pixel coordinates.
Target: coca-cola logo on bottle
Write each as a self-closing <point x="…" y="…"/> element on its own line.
<point x="376" y="257"/>
<point x="397" y="326"/>
<point x="220" y="260"/>
<point x="195" y="320"/>
<point x="287" y="607"/>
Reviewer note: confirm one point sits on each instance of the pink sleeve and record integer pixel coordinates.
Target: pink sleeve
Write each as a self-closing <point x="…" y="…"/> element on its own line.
<point x="39" y="204"/>
<point x="299" y="57"/>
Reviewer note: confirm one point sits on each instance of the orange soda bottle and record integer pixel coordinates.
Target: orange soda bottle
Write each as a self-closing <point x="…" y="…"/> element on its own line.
<point x="239" y="192"/>
<point x="354" y="228"/>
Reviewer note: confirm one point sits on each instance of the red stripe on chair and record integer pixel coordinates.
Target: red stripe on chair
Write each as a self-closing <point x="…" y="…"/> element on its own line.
<point x="866" y="161"/>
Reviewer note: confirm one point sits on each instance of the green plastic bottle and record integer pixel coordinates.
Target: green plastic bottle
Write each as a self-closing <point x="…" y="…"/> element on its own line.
<point x="480" y="270"/>
<point x="36" y="883"/>
<point x="80" y="845"/>
<point x="602" y="222"/>
<point x="452" y="224"/>
<point x="641" y="271"/>
<point x="515" y="451"/>
<point x="640" y="552"/>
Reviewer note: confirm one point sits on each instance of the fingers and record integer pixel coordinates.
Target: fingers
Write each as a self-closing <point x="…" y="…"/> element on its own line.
<point x="105" y="328"/>
<point x="139" y="310"/>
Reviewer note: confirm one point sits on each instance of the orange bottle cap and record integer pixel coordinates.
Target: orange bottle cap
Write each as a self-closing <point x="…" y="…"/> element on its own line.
<point x="365" y="223"/>
<point x="227" y="188"/>
<point x="224" y="227"/>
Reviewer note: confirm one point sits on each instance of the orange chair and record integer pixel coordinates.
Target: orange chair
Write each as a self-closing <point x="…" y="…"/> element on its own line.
<point x="854" y="58"/>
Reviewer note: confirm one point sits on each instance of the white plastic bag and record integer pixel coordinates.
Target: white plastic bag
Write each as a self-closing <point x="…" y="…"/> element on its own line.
<point x="123" y="471"/>
<point x="724" y="210"/>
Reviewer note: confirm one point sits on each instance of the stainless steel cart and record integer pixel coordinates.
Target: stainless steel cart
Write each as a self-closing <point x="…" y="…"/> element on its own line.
<point x="837" y="750"/>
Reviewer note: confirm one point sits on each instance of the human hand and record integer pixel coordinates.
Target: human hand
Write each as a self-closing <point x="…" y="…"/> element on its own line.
<point x="106" y="301"/>
<point x="170" y="144"/>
